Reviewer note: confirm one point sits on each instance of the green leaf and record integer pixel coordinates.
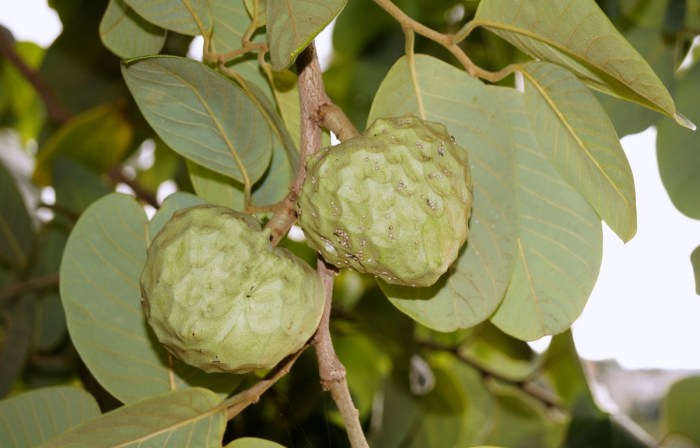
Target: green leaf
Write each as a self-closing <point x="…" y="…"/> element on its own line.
<point x="253" y="442"/>
<point x="201" y="115"/>
<point x="293" y="24"/>
<point x="98" y="138"/>
<point x="363" y="362"/>
<point x="436" y="91"/>
<point x="190" y="17"/>
<point x="257" y="9"/>
<point x="432" y="420"/>
<point x="127" y="34"/>
<point x="99" y="285"/>
<point x="16" y="230"/>
<point x="579" y="140"/>
<point x="631" y="118"/>
<point x="681" y="407"/>
<point x="215" y="188"/>
<point x="677" y="150"/>
<point x="577" y="35"/>
<point x="36" y="416"/>
<point x="559" y="244"/>
<point x="185" y="418"/>
<point x="76" y="186"/>
<point x="16" y="331"/>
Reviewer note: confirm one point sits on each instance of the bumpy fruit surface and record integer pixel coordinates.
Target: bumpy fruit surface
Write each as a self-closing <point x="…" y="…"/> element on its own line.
<point x="221" y="298"/>
<point x="394" y="202"/>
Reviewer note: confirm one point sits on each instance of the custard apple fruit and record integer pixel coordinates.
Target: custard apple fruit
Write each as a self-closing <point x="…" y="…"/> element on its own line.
<point x="221" y="298"/>
<point x="394" y="202"/>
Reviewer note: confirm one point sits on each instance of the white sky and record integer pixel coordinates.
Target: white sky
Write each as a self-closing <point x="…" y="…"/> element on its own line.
<point x="643" y="311"/>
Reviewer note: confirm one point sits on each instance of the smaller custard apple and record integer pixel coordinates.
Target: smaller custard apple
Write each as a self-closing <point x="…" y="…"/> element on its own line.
<point x="220" y="297"/>
<point x="393" y="202"/>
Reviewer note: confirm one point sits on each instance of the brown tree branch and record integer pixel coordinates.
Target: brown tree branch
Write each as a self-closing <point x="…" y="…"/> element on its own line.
<point x="116" y="175"/>
<point x="33" y="284"/>
<point x="55" y="110"/>
<point x="331" y="370"/>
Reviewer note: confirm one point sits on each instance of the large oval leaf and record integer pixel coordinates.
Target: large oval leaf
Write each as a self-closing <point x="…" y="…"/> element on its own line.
<point x="292" y="24"/>
<point x="185" y="418"/>
<point x="678" y="150"/>
<point x="16" y="231"/>
<point x="559" y="244"/>
<point x="579" y="140"/>
<point x="681" y="408"/>
<point x="39" y="415"/>
<point x="577" y="35"/>
<point x="127" y="34"/>
<point x="475" y="285"/>
<point x="99" y="285"/>
<point x="202" y="115"/>
<point x="191" y="17"/>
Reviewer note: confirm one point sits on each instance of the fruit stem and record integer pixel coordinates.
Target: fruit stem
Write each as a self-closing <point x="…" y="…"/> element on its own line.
<point x="331" y="370"/>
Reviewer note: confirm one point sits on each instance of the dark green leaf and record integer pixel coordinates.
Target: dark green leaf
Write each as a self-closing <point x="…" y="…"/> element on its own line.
<point x="127" y="34"/>
<point x="16" y="229"/>
<point x="559" y="244"/>
<point x="475" y="284"/>
<point x="190" y="17"/>
<point x="579" y="140"/>
<point x="293" y="24"/>
<point x="76" y="186"/>
<point x="16" y="331"/>
<point x="36" y="416"/>
<point x="202" y="116"/>
<point x="184" y="418"/>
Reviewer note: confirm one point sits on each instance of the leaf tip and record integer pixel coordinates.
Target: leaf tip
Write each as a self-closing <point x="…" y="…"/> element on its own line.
<point x="684" y="121"/>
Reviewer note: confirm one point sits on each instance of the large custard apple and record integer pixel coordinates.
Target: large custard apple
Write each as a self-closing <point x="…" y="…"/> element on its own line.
<point x="221" y="298"/>
<point x="394" y="202"/>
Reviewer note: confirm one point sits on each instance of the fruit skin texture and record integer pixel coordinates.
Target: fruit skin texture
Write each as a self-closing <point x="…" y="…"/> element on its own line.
<point x="394" y="202"/>
<point x="221" y="298"/>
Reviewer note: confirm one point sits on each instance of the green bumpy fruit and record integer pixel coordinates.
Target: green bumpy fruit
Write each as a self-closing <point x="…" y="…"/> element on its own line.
<point x="221" y="298"/>
<point x="394" y="202"/>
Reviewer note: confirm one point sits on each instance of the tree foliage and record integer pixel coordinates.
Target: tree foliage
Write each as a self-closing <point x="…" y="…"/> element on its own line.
<point x="537" y="92"/>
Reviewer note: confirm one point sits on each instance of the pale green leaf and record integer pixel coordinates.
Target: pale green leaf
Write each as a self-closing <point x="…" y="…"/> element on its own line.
<point x="293" y="24"/>
<point x="215" y="188"/>
<point x="695" y="261"/>
<point x="16" y="230"/>
<point x="579" y="140"/>
<point x="559" y="244"/>
<point x="99" y="284"/>
<point x="678" y="150"/>
<point x="475" y="284"/>
<point x="577" y="35"/>
<point x="202" y="115"/>
<point x="185" y="418"/>
<point x="39" y="415"/>
<point x="190" y="17"/>
<point x="681" y="407"/>
<point x="171" y="204"/>
<point x="631" y="118"/>
<point x="253" y="442"/>
<point x="127" y="34"/>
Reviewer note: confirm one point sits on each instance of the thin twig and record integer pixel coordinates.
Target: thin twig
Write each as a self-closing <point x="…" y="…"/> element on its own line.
<point x="541" y="394"/>
<point x="331" y="370"/>
<point x="237" y="403"/>
<point x="55" y="110"/>
<point x="448" y="41"/>
<point x="33" y="284"/>
<point x="116" y="175"/>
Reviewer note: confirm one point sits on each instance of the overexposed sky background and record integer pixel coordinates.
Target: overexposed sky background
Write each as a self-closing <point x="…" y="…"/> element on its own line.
<point x="643" y="311"/>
